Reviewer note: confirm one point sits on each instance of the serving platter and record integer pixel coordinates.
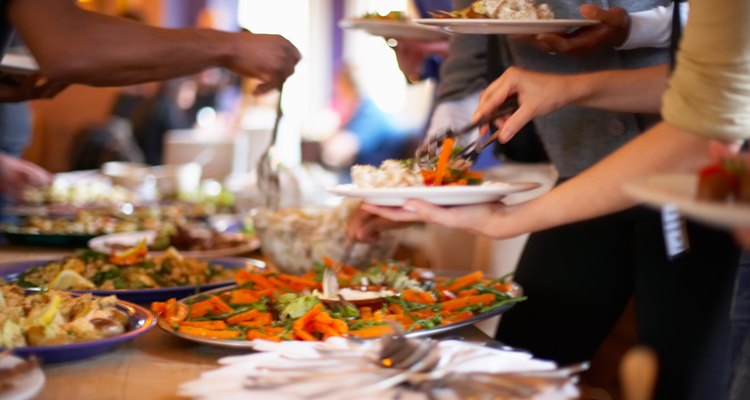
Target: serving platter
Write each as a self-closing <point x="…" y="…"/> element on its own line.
<point x="395" y="29"/>
<point x="252" y="344"/>
<point x="488" y="26"/>
<point x="102" y="244"/>
<point x="679" y="190"/>
<point x="140" y="320"/>
<point x="439" y="195"/>
<point x="12" y="271"/>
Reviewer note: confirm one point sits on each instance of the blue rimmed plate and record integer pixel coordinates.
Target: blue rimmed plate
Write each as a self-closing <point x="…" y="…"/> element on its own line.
<point x="140" y="320"/>
<point x="11" y="272"/>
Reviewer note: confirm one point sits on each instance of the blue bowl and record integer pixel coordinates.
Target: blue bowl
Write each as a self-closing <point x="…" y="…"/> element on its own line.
<point x="140" y="320"/>
<point x="11" y="272"/>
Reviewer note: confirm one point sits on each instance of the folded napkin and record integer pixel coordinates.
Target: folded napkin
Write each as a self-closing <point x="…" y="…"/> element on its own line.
<point x="344" y="369"/>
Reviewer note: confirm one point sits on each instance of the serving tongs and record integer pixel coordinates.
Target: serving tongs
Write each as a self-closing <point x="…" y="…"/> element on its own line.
<point x="427" y="153"/>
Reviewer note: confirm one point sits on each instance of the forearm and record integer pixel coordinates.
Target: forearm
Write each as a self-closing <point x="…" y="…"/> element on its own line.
<point x="636" y="91"/>
<point x="662" y="149"/>
<point x="78" y="46"/>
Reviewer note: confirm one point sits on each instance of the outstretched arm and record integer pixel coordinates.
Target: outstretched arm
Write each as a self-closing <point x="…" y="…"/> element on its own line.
<point x="636" y="91"/>
<point x="73" y="45"/>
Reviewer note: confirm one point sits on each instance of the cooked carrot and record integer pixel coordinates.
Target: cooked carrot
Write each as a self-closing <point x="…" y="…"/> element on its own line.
<point x="158" y="307"/>
<point x="372" y="331"/>
<point x="243" y="316"/>
<point x="468" y="292"/>
<point x="242" y="276"/>
<point x="261" y="281"/>
<point x="365" y="312"/>
<point x="280" y="284"/>
<point x="457" y="317"/>
<point x="324" y="318"/>
<point x="301" y="280"/>
<point x="201" y="308"/>
<point x="243" y="296"/>
<point x="220" y="305"/>
<point x="412" y="295"/>
<point x="304" y="335"/>
<point x="302" y="321"/>
<point x="325" y="329"/>
<point x="443" y="160"/>
<point x="205" y="324"/>
<point x="340" y="326"/>
<point x="463" y="281"/>
<point x="503" y="287"/>
<point x="261" y="320"/>
<point x="474" y="175"/>
<point x="460" y="302"/>
<point x="216" y="334"/>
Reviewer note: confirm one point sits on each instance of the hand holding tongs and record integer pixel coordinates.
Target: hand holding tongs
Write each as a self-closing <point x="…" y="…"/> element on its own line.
<point x="428" y="150"/>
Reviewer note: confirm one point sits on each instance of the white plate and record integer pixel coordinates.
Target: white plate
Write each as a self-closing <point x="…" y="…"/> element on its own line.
<point x="102" y="245"/>
<point x="24" y="387"/>
<point x="395" y="29"/>
<point x="438" y="195"/>
<point x="498" y="26"/>
<point x="679" y="190"/>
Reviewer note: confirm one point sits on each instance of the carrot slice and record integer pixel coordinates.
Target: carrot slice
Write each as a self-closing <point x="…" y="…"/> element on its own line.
<point x="243" y="316"/>
<point x="460" y="302"/>
<point x="463" y="281"/>
<point x="443" y="160"/>
<point x="216" y="325"/>
<point x="372" y="331"/>
<point x="211" y="333"/>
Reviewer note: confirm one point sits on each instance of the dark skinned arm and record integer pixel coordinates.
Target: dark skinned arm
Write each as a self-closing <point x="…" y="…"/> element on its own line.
<point x="72" y="45"/>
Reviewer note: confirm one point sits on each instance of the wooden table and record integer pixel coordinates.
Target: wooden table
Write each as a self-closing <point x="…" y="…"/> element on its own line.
<point x="151" y="366"/>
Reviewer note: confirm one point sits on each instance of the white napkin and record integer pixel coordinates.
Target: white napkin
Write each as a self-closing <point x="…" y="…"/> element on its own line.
<point x="333" y="375"/>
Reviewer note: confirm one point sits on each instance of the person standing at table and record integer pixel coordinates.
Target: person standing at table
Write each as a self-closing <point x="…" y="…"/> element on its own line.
<point x="579" y="276"/>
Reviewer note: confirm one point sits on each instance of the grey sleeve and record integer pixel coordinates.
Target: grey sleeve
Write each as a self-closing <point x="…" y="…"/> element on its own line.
<point x="464" y="71"/>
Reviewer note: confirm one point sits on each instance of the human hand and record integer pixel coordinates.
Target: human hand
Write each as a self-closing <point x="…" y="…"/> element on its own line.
<point x="410" y="55"/>
<point x="268" y="58"/>
<point x="16" y="174"/>
<point x="538" y="94"/>
<point x="14" y="88"/>
<point x="365" y="227"/>
<point x="610" y="33"/>
<point x="474" y="218"/>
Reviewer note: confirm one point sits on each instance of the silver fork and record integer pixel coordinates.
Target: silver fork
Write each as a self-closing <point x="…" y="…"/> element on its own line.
<point x="268" y="176"/>
<point x="330" y="280"/>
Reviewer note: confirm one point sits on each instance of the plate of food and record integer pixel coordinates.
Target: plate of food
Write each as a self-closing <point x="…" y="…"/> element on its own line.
<point x="20" y="379"/>
<point x="190" y="242"/>
<point x="132" y="274"/>
<point x="712" y="197"/>
<point x="57" y="326"/>
<point x="496" y="17"/>
<point x="396" y="181"/>
<point x="280" y="307"/>
<point x="393" y="25"/>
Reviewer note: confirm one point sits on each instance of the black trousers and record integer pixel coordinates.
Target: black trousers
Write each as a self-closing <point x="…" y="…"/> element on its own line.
<point x="579" y="277"/>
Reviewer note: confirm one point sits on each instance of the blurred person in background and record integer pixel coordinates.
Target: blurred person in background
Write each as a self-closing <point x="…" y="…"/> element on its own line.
<point x="367" y="134"/>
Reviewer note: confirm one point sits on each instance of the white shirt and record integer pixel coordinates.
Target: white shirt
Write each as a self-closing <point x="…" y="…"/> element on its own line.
<point x="652" y="28"/>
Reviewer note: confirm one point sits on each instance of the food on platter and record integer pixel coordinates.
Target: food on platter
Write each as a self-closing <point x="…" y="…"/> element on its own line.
<point x="187" y="238"/>
<point x="53" y="317"/>
<point x="501" y="9"/>
<point x="90" y="193"/>
<point x="132" y="268"/>
<point x="107" y="220"/>
<point x="277" y="306"/>
<point x="294" y="238"/>
<point x="447" y="170"/>
<point x="727" y="180"/>
<point x="390" y="16"/>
